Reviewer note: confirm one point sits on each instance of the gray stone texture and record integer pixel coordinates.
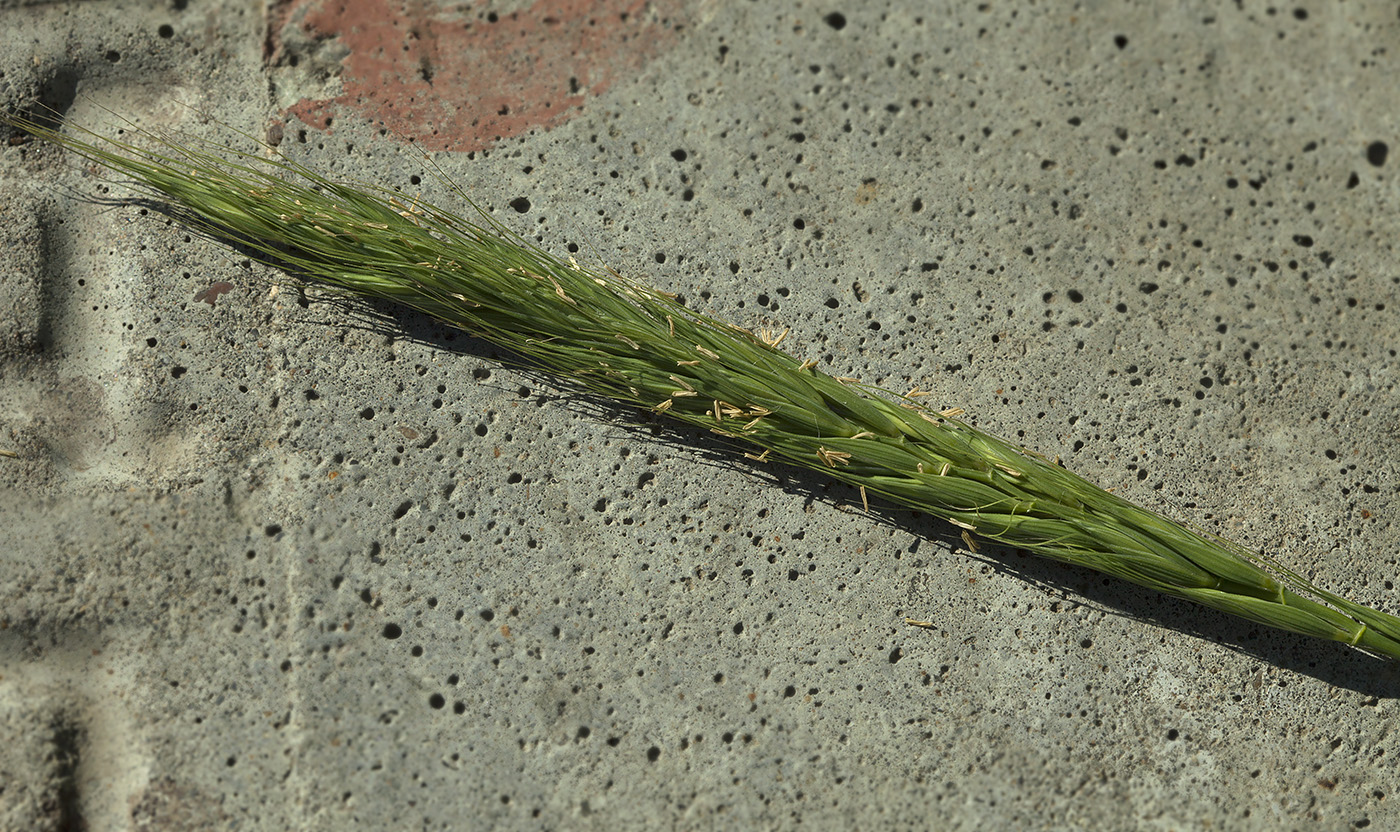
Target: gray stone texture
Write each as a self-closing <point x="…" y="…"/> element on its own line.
<point x="290" y="562"/>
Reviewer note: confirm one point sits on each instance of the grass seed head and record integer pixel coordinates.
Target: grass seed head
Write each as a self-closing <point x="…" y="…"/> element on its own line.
<point x="643" y="346"/>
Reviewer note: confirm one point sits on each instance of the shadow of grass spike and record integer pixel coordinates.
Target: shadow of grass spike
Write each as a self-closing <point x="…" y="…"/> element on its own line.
<point x="641" y="346"/>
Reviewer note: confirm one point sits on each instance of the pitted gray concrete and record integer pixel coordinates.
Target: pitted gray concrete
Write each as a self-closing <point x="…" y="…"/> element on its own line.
<point x="283" y="562"/>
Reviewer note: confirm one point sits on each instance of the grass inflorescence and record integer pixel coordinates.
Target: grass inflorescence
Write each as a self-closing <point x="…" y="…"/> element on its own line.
<point x="639" y="345"/>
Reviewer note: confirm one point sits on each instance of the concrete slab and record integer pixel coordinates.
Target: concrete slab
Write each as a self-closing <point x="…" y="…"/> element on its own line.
<point x="280" y="562"/>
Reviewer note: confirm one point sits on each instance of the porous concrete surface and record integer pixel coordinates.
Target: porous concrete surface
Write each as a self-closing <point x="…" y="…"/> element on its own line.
<point x="280" y="562"/>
